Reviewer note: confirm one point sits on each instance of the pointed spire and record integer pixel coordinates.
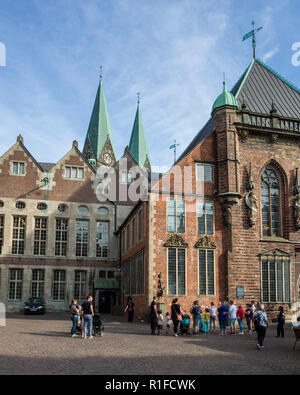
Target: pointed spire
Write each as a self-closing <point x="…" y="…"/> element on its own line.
<point x="99" y="134"/>
<point x="138" y="147"/>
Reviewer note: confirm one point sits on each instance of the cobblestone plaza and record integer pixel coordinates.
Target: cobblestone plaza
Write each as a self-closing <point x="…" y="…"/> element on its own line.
<point x="41" y="345"/>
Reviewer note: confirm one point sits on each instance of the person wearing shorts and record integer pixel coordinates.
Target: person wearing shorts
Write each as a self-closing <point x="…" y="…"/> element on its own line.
<point x="232" y="317"/>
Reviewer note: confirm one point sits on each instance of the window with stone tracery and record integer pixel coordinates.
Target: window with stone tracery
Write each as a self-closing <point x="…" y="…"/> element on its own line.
<point x="270" y="203"/>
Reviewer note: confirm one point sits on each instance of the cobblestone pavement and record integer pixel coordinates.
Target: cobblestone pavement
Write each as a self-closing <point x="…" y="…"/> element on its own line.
<point x="42" y="345"/>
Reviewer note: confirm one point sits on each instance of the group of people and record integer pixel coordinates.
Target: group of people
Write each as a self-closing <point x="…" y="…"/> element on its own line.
<point x="82" y="314"/>
<point x="205" y="317"/>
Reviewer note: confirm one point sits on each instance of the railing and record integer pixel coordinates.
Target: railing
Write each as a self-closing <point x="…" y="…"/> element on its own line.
<point x="269" y="121"/>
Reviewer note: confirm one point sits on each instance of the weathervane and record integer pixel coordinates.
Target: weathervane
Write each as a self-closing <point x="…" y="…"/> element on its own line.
<point x="253" y="35"/>
<point x="173" y="146"/>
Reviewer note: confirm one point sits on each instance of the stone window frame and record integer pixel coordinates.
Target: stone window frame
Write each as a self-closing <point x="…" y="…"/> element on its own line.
<point x="2" y="225"/>
<point x="39" y="281"/>
<point x="17" y="283"/>
<point x="61" y="285"/>
<point x="101" y="208"/>
<point x="140" y="225"/>
<point x="100" y="254"/>
<point x="21" y="204"/>
<point x="11" y="168"/>
<point x="81" y="212"/>
<point x="197" y="218"/>
<point x="133" y="232"/>
<point x="205" y="164"/>
<point x="42" y="206"/>
<point x="206" y="264"/>
<point x="38" y="242"/>
<point x="176" y="216"/>
<point x="273" y="167"/>
<point x="71" y="167"/>
<point x="80" y="284"/>
<point x="185" y="268"/>
<point x="82" y="246"/>
<point x="284" y="257"/>
<point x="61" y="243"/>
<point x="138" y="262"/>
<point x="18" y="244"/>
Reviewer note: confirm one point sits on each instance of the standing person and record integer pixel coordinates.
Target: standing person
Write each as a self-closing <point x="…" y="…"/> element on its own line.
<point x="195" y="311"/>
<point x="88" y="314"/>
<point x="212" y="313"/>
<point x="75" y="310"/>
<point x="160" y="322"/>
<point x="176" y="315"/>
<point x="249" y="317"/>
<point x="206" y="319"/>
<point x="130" y="308"/>
<point x="219" y="305"/>
<point x="253" y="308"/>
<point x="232" y="316"/>
<point x="154" y="316"/>
<point x="281" y="322"/>
<point x="167" y="323"/>
<point x="201" y="323"/>
<point x="261" y="325"/>
<point x="223" y="316"/>
<point x="240" y="316"/>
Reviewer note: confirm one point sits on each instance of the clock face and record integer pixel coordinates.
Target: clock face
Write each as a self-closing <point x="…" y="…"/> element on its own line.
<point x="107" y="158"/>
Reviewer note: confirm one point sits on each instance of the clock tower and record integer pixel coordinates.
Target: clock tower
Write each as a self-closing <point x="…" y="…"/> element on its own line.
<point x="99" y="146"/>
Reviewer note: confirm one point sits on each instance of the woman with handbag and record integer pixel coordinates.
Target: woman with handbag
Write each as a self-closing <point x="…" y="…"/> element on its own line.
<point x="176" y="315"/>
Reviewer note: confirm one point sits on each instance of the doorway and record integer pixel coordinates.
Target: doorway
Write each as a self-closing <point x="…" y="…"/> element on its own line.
<point x="107" y="299"/>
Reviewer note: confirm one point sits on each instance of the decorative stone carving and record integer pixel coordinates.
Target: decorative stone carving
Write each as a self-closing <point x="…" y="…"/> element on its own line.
<point x="275" y="252"/>
<point x="274" y="138"/>
<point x="227" y="215"/>
<point x="176" y="241"/>
<point x="205" y="242"/>
<point x="297" y="201"/>
<point x="160" y="289"/>
<point x="251" y="199"/>
<point x="243" y="135"/>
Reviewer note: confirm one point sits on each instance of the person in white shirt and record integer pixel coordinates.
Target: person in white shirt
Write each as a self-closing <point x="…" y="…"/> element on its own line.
<point x="212" y="313"/>
<point x="253" y="308"/>
<point x="232" y="312"/>
<point x="160" y="322"/>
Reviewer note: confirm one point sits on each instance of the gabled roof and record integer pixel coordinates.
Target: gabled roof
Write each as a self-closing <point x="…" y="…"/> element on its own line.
<point x="99" y="130"/>
<point x="138" y="147"/>
<point x="259" y="84"/>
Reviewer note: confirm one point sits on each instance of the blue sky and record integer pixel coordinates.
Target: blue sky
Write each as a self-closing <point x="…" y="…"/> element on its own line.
<point x="172" y="51"/>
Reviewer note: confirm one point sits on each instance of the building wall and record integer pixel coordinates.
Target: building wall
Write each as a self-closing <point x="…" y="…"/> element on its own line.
<point x="29" y="189"/>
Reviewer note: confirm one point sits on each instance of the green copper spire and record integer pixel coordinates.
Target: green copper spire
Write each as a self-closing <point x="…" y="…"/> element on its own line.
<point x="138" y="147"/>
<point x="99" y="139"/>
<point x="225" y="99"/>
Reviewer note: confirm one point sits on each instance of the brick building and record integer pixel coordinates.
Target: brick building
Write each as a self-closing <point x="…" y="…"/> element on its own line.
<point x="57" y="237"/>
<point x="234" y="233"/>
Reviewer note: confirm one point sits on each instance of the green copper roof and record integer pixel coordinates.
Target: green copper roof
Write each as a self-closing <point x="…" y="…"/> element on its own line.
<point x="99" y="128"/>
<point x="138" y="147"/>
<point x="225" y="99"/>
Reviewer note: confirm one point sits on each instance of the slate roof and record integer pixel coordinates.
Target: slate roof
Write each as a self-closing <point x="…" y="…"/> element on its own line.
<point x="46" y="166"/>
<point x="259" y="84"/>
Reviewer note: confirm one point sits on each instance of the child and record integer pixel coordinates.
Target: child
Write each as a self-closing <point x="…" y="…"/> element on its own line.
<point x="168" y="323"/>
<point x="160" y="322"/>
<point x="206" y="319"/>
<point x="281" y="322"/>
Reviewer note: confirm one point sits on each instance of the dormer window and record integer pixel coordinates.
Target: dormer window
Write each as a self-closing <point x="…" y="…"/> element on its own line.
<point x="75" y="173"/>
<point x="18" y="168"/>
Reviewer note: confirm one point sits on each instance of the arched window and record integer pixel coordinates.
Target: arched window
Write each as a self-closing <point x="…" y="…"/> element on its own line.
<point x="270" y="203"/>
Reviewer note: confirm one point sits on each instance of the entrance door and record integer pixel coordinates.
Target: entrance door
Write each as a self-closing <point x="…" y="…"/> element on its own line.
<point x="106" y="299"/>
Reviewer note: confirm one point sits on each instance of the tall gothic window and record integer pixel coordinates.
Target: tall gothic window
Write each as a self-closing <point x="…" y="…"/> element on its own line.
<point x="270" y="206"/>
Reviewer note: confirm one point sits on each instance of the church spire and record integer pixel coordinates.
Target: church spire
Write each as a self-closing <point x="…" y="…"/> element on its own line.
<point x="99" y="144"/>
<point x="138" y="147"/>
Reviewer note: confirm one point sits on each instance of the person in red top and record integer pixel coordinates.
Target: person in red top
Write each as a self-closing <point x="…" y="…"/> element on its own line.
<point x="240" y="314"/>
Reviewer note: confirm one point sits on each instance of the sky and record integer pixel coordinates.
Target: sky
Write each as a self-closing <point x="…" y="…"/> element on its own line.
<point x="174" y="52"/>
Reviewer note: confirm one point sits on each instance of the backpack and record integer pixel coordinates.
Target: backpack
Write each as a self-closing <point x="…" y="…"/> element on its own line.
<point x="259" y="319"/>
